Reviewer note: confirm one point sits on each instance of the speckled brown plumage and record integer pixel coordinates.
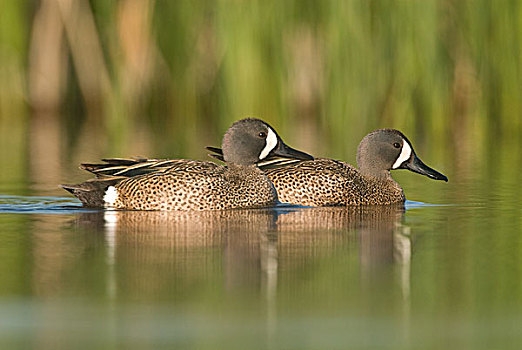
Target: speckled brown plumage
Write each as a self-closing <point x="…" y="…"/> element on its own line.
<point x="196" y="185"/>
<point x="328" y="182"/>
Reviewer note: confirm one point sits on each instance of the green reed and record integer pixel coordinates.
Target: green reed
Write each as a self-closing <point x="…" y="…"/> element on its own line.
<point x="445" y="70"/>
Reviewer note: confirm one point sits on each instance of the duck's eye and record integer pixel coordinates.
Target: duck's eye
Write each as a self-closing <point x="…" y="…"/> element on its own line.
<point x="262" y="134"/>
<point x="397" y="145"/>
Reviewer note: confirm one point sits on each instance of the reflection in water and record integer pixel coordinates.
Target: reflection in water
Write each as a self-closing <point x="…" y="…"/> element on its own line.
<point x="156" y="246"/>
<point x="200" y="263"/>
<point x="383" y="241"/>
<point x="156" y="253"/>
<point x="306" y="278"/>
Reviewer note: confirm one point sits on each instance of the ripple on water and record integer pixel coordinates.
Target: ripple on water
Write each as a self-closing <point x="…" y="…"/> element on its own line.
<point x="418" y="205"/>
<point x="39" y="205"/>
<point x="64" y="205"/>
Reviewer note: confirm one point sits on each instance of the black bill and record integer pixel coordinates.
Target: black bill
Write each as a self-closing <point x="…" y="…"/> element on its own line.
<point x="278" y="156"/>
<point x="417" y="166"/>
<point x="285" y="151"/>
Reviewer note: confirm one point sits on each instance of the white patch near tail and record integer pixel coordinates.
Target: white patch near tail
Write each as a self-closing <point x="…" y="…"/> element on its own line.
<point x="271" y="142"/>
<point x="110" y="197"/>
<point x="404" y="156"/>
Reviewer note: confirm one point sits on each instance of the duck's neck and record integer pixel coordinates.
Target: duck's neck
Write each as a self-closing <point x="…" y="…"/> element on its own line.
<point x="246" y="177"/>
<point x="242" y="168"/>
<point x="372" y="172"/>
<point x="384" y="182"/>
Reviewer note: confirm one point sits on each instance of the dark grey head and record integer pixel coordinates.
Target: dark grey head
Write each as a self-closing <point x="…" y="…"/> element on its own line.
<point x="250" y="140"/>
<point x="386" y="149"/>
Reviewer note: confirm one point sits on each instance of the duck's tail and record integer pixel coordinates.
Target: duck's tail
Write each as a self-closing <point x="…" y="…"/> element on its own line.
<point x="110" y="172"/>
<point x="91" y="192"/>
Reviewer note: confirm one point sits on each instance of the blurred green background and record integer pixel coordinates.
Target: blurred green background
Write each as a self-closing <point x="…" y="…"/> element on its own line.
<point x="80" y="80"/>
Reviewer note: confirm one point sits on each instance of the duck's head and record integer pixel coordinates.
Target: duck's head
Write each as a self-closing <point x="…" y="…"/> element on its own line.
<point x="387" y="149"/>
<point x="249" y="141"/>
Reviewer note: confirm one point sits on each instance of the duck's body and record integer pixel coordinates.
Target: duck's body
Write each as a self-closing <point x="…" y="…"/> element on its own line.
<point x="181" y="184"/>
<point x="328" y="182"/>
<point x="184" y="185"/>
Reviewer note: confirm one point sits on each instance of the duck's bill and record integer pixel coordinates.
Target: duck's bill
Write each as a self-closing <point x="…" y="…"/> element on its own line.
<point x="417" y="166"/>
<point x="217" y="153"/>
<point x="281" y="156"/>
<point x="285" y="151"/>
<point x="215" y="150"/>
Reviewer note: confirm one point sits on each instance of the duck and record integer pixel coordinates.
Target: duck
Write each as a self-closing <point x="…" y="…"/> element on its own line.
<point x="183" y="184"/>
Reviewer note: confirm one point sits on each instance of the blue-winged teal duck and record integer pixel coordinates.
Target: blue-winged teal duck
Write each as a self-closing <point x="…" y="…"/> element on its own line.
<point x="328" y="182"/>
<point x="151" y="184"/>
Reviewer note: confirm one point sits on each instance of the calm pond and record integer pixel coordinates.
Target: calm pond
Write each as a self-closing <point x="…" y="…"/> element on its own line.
<point x="434" y="276"/>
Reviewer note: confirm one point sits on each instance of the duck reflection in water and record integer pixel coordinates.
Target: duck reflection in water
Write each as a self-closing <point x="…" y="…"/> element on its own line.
<point x="168" y="253"/>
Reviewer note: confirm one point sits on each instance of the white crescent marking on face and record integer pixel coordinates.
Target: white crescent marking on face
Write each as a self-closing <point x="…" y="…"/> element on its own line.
<point x="110" y="197"/>
<point x="404" y="156"/>
<point x="271" y="142"/>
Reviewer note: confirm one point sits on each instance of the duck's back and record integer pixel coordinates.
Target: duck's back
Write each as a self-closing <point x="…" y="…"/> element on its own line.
<point x="196" y="185"/>
<point x="328" y="182"/>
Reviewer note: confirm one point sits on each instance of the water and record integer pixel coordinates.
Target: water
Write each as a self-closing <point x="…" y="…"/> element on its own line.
<point x="431" y="276"/>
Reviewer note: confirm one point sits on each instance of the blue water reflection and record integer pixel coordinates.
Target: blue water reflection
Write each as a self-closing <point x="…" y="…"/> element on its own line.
<point x="39" y="205"/>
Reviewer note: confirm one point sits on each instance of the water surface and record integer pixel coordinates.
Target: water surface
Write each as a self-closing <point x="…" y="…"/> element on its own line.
<point x="426" y="276"/>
